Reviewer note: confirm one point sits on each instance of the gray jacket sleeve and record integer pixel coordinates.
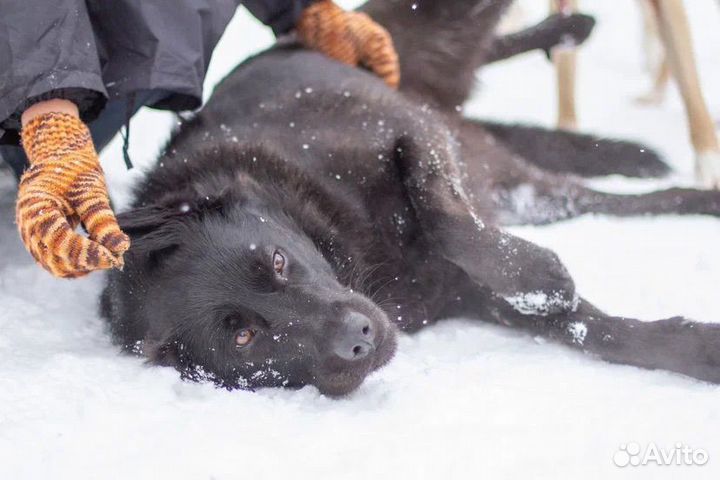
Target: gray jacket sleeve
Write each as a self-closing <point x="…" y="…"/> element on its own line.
<point x="280" y="15"/>
<point x="47" y="50"/>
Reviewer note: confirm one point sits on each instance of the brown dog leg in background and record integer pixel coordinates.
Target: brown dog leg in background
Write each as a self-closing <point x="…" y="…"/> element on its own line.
<point x="565" y="62"/>
<point x="675" y="34"/>
<point x="656" y="62"/>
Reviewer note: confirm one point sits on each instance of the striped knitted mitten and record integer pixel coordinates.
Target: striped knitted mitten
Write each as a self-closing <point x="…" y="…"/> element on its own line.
<point x="349" y="37"/>
<point x="63" y="187"/>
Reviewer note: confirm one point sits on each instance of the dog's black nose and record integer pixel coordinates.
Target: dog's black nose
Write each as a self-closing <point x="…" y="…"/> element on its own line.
<point x="355" y="337"/>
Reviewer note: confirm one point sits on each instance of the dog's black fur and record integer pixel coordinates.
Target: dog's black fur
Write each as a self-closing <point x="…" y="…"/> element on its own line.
<point x="387" y="208"/>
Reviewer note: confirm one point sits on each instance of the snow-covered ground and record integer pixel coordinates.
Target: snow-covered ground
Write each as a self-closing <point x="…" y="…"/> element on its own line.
<point x="461" y="400"/>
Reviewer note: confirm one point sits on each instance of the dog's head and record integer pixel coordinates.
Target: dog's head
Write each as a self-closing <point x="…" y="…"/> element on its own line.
<point x="233" y="286"/>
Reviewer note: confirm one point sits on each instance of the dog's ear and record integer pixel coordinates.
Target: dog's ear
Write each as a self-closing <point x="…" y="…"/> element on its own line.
<point x="157" y="229"/>
<point x="147" y="218"/>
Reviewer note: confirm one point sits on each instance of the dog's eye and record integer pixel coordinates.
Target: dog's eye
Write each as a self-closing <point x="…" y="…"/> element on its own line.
<point x="244" y="337"/>
<point x="278" y="263"/>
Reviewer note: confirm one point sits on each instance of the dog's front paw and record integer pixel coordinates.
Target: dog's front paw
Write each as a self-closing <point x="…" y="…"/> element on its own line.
<point x="543" y="303"/>
<point x="544" y="287"/>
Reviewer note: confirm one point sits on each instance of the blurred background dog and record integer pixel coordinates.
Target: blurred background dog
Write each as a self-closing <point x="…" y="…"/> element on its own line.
<point x="669" y="54"/>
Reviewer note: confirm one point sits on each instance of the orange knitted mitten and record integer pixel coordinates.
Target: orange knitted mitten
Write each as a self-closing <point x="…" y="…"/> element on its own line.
<point x="349" y="37"/>
<point x="63" y="187"/>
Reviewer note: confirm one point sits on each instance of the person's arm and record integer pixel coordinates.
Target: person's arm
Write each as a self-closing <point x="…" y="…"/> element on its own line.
<point x="50" y="83"/>
<point x="46" y="53"/>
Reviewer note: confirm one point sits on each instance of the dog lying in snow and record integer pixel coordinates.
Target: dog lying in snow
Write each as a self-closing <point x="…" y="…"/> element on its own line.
<point x="309" y="212"/>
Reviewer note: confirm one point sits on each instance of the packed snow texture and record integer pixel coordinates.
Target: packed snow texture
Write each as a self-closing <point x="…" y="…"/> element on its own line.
<point x="539" y="303"/>
<point x="462" y="399"/>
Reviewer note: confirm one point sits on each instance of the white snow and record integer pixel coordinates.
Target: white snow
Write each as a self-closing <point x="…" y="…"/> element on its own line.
<point x="462" y="399"/>
<point x="578" y="330"/>
<point x="540" y="303"/>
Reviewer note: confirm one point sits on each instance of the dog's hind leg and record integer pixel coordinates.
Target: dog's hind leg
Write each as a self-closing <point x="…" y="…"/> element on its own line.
<point x="553" y="198"/>
<point x="547" y="198"/>
<point x="522" y="193"/>
<point x="578" y="154"/>
<point x="678" y="201"/>
<point x="546" y="202"/>
<point x="675" y="344"/>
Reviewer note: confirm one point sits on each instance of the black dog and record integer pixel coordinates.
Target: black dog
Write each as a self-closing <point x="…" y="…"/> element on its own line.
<point x="308" y="211"/>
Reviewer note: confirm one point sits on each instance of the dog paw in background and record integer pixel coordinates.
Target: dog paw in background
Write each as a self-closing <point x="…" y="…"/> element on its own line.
<point x="707" y="169"/>
<point x="566" y="31"/>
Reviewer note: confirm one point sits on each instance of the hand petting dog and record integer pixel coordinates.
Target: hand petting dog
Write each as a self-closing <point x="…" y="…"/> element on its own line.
<point x="63" y="187"/>
<point x="350" y="37"/>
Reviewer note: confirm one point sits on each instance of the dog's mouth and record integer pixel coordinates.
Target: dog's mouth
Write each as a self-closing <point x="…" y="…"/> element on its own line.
<point x="342" y="381"/>
<point x="386" y="347"/>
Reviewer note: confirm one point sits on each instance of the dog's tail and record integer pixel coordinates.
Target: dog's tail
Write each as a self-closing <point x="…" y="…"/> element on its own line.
<point x="440" y="43"/>
<point x="578" y="154"/>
